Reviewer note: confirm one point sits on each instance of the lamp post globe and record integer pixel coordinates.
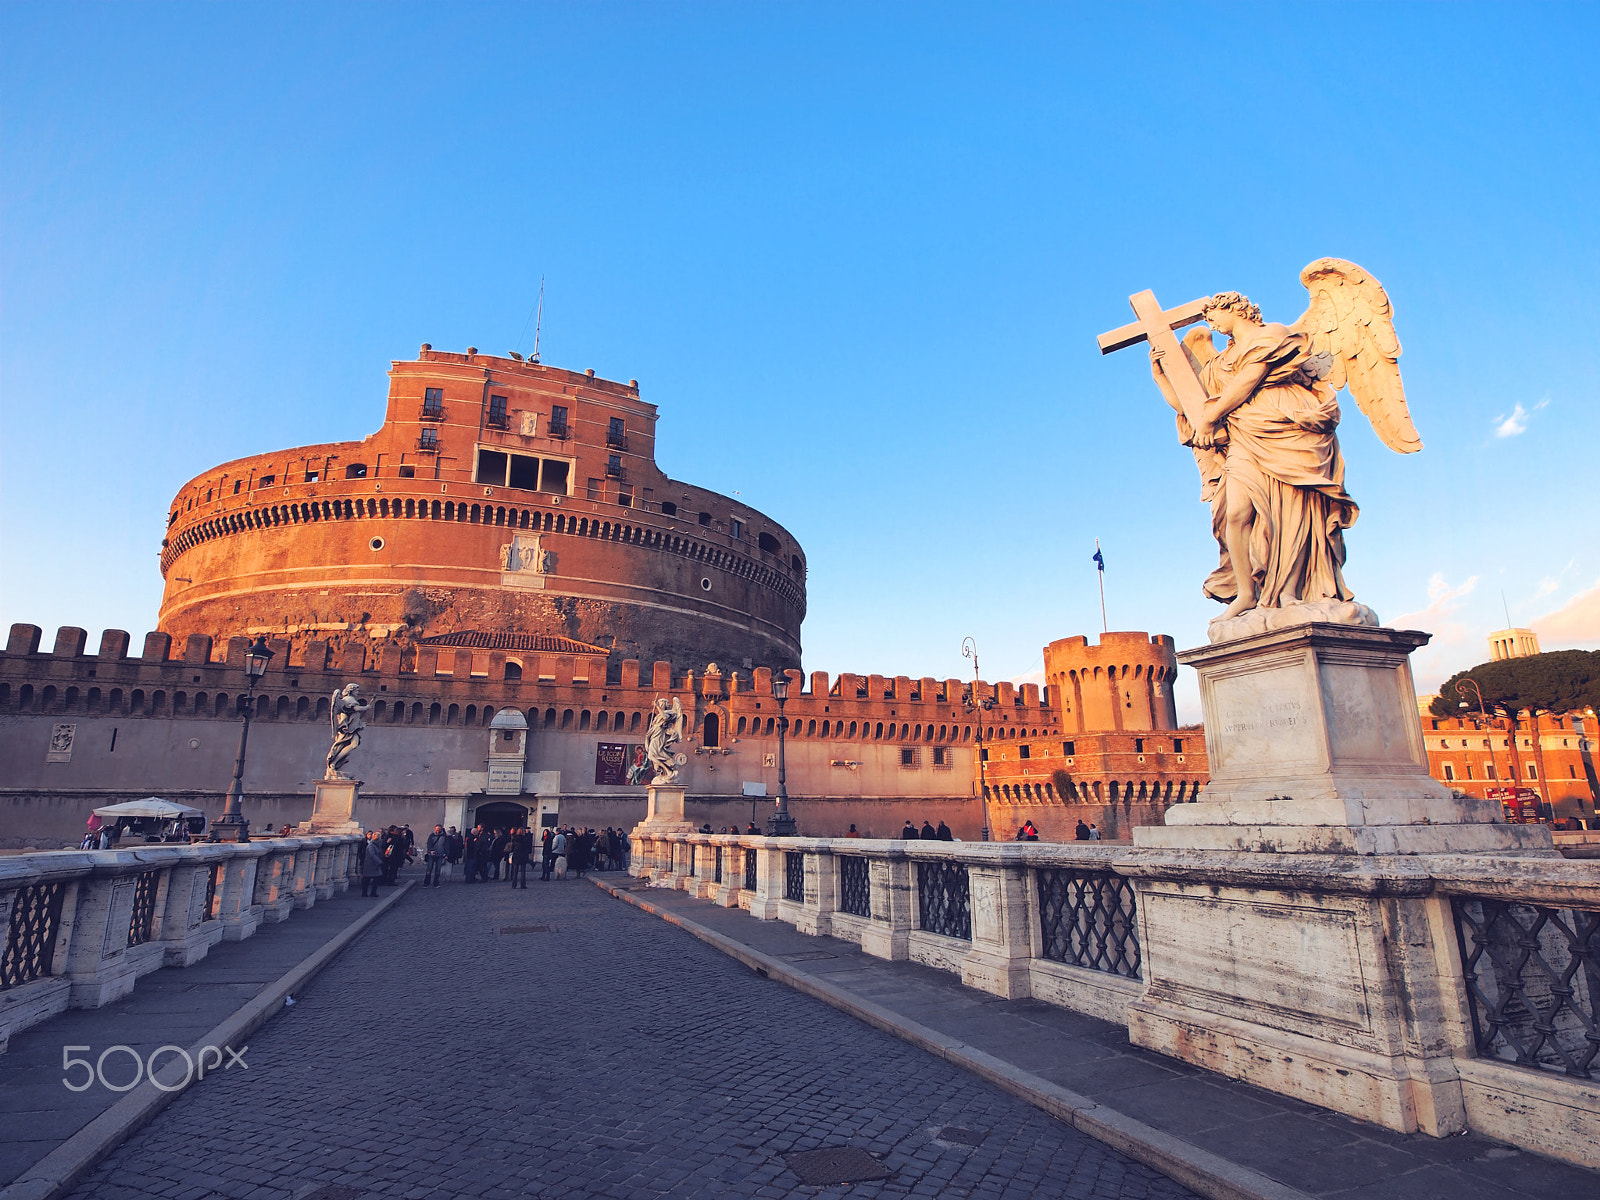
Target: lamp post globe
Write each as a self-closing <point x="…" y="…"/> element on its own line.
<point x="231" y="825"/>
<point x="781" y="823"/>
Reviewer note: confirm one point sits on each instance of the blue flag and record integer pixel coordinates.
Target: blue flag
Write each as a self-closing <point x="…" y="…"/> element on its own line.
<point x="1099" y="560"/>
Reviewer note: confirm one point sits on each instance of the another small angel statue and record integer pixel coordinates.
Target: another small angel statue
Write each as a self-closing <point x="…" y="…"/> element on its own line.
<point x="346" y="710"/>
<point x="665" y="732"/>
<point x="1268" y="455"/>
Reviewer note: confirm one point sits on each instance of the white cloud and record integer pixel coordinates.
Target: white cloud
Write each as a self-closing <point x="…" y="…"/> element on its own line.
<point x="1575" y="625"/>
<point x="1551" y="584"/>
<point x="1451" y="637"/>
<point x="1517" y="422"/>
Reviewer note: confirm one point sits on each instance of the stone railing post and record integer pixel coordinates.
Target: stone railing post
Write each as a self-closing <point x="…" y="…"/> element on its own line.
<point x="188" y="930"/>
<point x="275" y="880"/>
<point x="821" y="891"/>
<point x="1002" y="938"/>
<point x="893" y="908"/>
<point x="101" y="966"/>
<point x="305" y="873"/>
<point x="237" y="906"/>
<point x="726" y="893"/>
<point x="769" y="876"/>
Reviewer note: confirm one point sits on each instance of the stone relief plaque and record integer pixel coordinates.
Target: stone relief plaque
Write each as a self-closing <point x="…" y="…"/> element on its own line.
<point x="524" y="562"/>
<point x="121" y="905"/>
<point x="505" y="777"/>
<point x="61" y="739"/>
<point x="1289" y="966"/>
<point x="1264" y="717"/>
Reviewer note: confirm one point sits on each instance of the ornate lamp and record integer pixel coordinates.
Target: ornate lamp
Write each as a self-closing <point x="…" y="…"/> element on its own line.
<point x="781" y="823"/>
<point x="231" y="825"/>
<point x="981" y="705"/>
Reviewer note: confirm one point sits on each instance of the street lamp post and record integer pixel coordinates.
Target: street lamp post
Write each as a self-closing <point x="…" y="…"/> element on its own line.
<point x="980" y="705"/>
<point x="781" y="823"/>
<point x="1461" y="690"/>
<point x="231" y="825"/>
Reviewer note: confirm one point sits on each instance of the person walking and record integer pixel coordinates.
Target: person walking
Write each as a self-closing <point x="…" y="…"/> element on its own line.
<point x="558" y="848"/>
<point x="517" y="867"/>
<point x="433" y="858"/>
<point x="546" y="853"/>
<point x="394" y="856"/>
<point x="371" y="865"/>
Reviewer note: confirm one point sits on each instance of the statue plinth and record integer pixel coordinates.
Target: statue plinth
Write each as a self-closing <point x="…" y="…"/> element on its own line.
<point x="663" y="811"/>
<point x="1315" y="746"/>
<point x="333" y="807"/>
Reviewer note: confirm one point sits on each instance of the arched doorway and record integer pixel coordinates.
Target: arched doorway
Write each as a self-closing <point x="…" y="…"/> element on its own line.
<point x="501" y="814"/>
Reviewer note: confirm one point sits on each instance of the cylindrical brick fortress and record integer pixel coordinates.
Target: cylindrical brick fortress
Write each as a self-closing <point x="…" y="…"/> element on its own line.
<point x="500" y="496"/>
<point x="1123" y="683"/>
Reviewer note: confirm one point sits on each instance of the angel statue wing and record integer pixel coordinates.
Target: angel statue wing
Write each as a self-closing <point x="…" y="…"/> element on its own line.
<point x="1351" y="324"/>
<point x="333" y="711"/>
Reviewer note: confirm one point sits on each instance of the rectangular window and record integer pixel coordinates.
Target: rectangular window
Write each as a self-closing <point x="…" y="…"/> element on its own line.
<point x="407" y="472"/>
<point x="1488" y="771"/>
<point x="429" y="440"/>
<point x="311" y="477"/>
<point x="267" y="481"/>
<point x="1177" y="745"/>
<point x="524" y="473"/>
<point x="908" y="756"/>
<point x="983" y="754"/>
<point x="614" y="466"/>
<point x="1449" y="773"/>
<point x="237" y="484"/>
<point x="941" y="756"/>
<point x="1024" y="751"/>
<point x="625" y="500"/>
<point x="705" y="519"/>
<point x="1533" y="772"/>
<point x="491" y="468"/>
<point x="615" y="436"/>
<point x="433" y="402"/>
<point x="1138" y="745"/>
<point x="558" y="421"/>
<point x="553" y="477"/>
<point x="1068" y="748"/>
<point x="497" y="412"/>
<point x="737" y="527"/>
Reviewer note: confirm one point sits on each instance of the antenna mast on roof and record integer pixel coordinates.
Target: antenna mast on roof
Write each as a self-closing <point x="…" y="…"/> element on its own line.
<point x="538" y="324"/>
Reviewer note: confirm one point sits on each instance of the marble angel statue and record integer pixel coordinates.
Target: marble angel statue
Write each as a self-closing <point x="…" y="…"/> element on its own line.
<point x="1267" y="446"/>
<point x="345" y="715"/>
<point x="665" y="731"/>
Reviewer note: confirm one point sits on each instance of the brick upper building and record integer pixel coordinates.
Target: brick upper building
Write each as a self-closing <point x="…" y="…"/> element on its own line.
<point x="499" y="494"/>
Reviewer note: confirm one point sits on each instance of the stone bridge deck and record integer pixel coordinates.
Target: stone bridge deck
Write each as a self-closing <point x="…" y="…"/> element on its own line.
<point x="555" y="1041"/>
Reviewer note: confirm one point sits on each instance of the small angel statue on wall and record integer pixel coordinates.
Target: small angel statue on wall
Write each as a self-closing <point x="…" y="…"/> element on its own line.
<point x="345" y="713"/>
<point x="665" y="732"/>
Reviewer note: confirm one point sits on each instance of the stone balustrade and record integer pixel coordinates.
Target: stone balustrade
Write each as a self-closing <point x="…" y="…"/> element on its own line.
<point x="1435" y="992"/>
<point x="83" y="925"/>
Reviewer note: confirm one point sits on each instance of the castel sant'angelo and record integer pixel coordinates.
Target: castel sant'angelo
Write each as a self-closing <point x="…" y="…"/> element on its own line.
<point x="500" y="497"/>
<point x="512" y="581"/>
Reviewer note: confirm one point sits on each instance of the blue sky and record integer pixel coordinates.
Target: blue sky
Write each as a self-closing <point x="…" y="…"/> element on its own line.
<point x="857" y="254"/>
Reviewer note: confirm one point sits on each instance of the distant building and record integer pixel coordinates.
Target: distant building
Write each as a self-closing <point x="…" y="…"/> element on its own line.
<point x="1549" y="754"/>
<point x="1513" y="643"/>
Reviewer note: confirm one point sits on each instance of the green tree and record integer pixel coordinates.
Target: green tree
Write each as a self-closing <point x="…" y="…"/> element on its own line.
<point x="1557" y="682"/>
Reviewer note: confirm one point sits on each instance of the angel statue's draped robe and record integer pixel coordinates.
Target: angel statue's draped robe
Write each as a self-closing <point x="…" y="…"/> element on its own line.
<point x="1282" y="452"/>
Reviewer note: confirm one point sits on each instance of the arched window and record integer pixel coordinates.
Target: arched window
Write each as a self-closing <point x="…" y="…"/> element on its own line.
<point x="811" y="729"/>
<point x="584" y="718"/>
<point x="435" y="713"/>
<point x="472" y="715"/>
<point x="741" y="726"/>
<point x="712" y="738"/>
<point x="601" y="721"/>
<point x="633" y="723"/>
<point x="452" y="714"/>
<point x="513" y="669"/>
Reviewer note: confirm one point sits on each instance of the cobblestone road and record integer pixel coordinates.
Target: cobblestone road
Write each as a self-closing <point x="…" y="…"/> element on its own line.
<point x="610" y="1056"/>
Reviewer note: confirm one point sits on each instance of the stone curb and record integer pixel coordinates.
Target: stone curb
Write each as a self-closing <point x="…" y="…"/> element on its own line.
<point x="57" y="1172"/>
<point x="1199" y="1170"/>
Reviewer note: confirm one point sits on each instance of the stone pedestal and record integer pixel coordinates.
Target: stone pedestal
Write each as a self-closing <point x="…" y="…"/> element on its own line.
<point x="333" y="807"/>
<point x="1291" y="938"/>
<point x="1315" y="746"/>
<point x="663" y="819"/>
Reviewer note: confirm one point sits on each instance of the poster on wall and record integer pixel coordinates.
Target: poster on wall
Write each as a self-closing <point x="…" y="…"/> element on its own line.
<point x="620" y="764"/>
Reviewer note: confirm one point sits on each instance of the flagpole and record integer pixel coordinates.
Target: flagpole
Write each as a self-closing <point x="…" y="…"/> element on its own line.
<point x="1100" y="564"/>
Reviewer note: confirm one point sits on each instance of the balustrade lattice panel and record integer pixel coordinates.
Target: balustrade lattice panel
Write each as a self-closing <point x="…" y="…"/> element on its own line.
<point x="794" y="876"/>
<point x="1533" y="982"/>
<point x="749" y="870"/>
<point x="1088" y="919"/>
<point x="31" y="937"/>
<point x="210" y="912"/>
<point x="694" y="852"/>
<point x="944" y="899"/>
<point x="718" y="876"/>
<point x="855" y="886"/>
<point x="141" y="924"/>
